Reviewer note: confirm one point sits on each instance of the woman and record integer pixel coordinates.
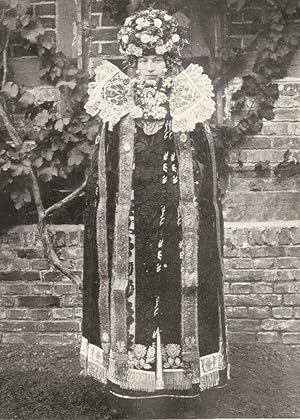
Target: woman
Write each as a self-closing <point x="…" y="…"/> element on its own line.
<point x="153" y="314"/>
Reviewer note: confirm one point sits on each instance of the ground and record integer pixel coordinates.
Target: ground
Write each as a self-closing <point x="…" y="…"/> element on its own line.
<point x="39" y="382"/>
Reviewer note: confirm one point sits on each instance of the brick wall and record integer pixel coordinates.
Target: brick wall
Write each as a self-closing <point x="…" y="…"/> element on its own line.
<point x="38" y="304"/>
<point x="262" y="285"/>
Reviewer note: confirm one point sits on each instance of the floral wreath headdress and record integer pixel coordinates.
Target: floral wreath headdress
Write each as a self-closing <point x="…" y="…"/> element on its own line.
<point x="151" y="31"/>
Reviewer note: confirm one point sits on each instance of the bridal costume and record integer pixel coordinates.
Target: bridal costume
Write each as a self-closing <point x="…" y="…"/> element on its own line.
<point x="153" y="307"/>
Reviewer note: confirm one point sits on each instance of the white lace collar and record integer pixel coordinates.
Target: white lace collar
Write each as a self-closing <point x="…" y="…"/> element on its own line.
<point x="191" y="101"/>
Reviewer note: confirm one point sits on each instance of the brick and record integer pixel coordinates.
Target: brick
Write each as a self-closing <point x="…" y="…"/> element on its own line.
<point x="292" y="299"/>
<point x="295" y="235"/>
<point x="242" y="337"/>
<point x="52" y="276"/>
<point x="259" y="312"/>
<point x="264" y="263"/>
<point x="281" y="325"/>
<point x="21" y="338"/>
<point x="288" y="262"/>
<point x="237" y="312"/>
<point x="256" y="237"/>
<point x="291" y="338"/>
<point x="267" y="251"/>
<point x="271" y="236"/>
<point x="48" y="22"/>
<point x="43" y="9"/>
<point x="7" y="301"/>
<point x="240" y="237"/>
<point x="18" y="314"/>
<point x="110" y="48"/>
<point x="14" y="289"/>
<point x="287" y="114"/>
<point x="59" y="239"/>
<point x="268" y="337"/>
<point x="247" y="276"/>
<point x="61" y="326"/>
<point x="18" y="326"/>
<point x="73" y="238"/>
<point x="286" y="275"/>
<point x="297" y="313"/>
<point x="41" y="289"/>
<point x="282" y="312"/>
<point x="41" y="264"/>
<point x="287" y="102"/>
<point x="232" y="252"/>
<point x="3" y="313"/>
<point x="52" y="339"/>
<point x="293" y="251"/>
<point x="241" y="288"/>
<point x="262" y="288"/>
<point x="105" y="34"/>
<point x="241" y="263"/>
<point x="64" y="289"/>
<point x="71" y="300"/>
<point x="227" y="264"/>
<point x="287" y="287"/>
<point x="62" y="313"/>
<point x="284" y="237"/>
<point x="71" y="338"/>
<point x="289" y="89"/>
<point x="78" y="312"/>
<point x="39" y="314"/>
<point x="67" y="253"/>
<point x="226" y="288"/>
<point x="38" y="301"/>
<point x="243" y="324"/>
<point x="253" y="300"/>
<point x="30" y="253"/>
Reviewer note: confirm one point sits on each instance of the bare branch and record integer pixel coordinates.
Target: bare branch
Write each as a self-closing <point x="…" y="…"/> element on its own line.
<point x="42" y="213"/>
<point x="66" y="199"/>
<point x="5" y="62"/>
<point x="223" y="77"/>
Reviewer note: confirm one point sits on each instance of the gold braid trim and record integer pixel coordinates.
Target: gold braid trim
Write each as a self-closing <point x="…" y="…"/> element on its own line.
<point x="101" y="232"/>
<point x="189" y="265"/>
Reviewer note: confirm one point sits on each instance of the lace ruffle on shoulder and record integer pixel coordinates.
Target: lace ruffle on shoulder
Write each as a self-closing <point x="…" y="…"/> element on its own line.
<point x="191" y="99"/>
<point x="109" y="95"/>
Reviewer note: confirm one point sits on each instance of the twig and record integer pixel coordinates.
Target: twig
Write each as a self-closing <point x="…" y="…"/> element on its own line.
<point x="66" y="199"/>
<point x="5" y="64"/>
<point x="219" y="80"/>
<point x="42" y="213"/>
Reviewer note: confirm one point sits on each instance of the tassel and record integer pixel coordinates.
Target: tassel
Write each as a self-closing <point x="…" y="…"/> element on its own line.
<point x="140" y="380"/>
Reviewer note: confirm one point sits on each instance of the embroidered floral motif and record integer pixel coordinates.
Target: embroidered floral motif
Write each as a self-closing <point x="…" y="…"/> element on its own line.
<point x="120" y="345"/>
<point x="143" y="358"/>
<point x="171" y="356"/>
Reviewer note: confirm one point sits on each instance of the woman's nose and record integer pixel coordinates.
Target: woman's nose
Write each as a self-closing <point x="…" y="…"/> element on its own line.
<point x="150" y="67"/>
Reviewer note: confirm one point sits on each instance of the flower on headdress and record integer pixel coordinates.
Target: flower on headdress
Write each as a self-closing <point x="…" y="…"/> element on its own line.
<point x="134" y="50"/>
<point x="175" y="38"/>
<point x="136" y="112"/>
<point x="167" y="17"/>
<point x="125" y="38"/>
<point x="161" y="50"/>
<point x="145" y="38"/>
<point x="140" y="351"/>
<point x="157" y="22"/>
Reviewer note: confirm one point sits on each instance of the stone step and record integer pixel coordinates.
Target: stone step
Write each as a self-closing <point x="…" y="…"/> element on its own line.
<point x="256" y="155"/>
<point x="270" y="142"/>
<point x="249" y="181"/>
<point x="261" y="206"/>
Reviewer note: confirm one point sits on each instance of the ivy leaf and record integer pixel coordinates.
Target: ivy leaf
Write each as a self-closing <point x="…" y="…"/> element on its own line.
<point x="25" y="20"/>
<point x="13" y="3"/>
<point x="47" y="42"/>
<point x="10" y="22"/>
<point x="75" y="158"/>
<point x="32" y="33"/>
<point x="47" y="154"/>
<point x="47" y="173"/>
<point x="11" y="89"/>
<point x="38" y="162"/>
<point x="41" y="118"/>
<point x="26" y="99"/>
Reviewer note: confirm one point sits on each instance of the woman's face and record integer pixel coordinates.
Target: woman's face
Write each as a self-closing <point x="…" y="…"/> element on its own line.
<point x="151" y="67"/>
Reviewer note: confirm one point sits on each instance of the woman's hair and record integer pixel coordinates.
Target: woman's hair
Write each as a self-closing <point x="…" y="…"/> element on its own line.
<point x="151" y="32"/>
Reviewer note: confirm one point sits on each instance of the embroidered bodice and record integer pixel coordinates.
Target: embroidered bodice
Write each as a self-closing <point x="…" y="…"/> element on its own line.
<point x="111" y="96"/>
